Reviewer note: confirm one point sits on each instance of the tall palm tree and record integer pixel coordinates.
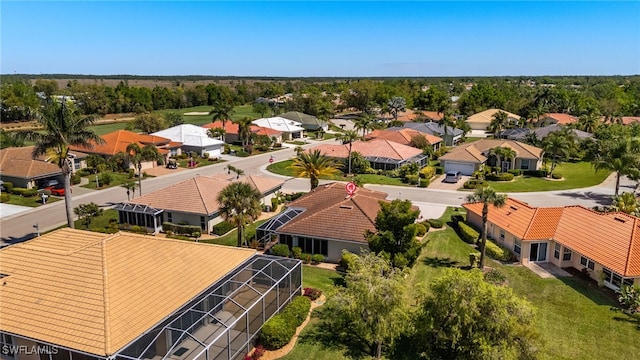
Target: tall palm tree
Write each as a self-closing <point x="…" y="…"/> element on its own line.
<point x="627" y="203"/>
<point x="499" y="122"/>
<point x="503" y="153"/>
<point x="620" y="155"/>
<point x="62" y="126"/>
<point x="487" y="196"/>
<point x="364" y="123"/>
<point x="589" y="122"/>
<point x="557" y="147"/>
<point x="136" y="155"/>
<point x="131" y="187"/>
<point x="240" y="205"/>
<point x="216" y="133"/>
<point x="222" y="110"/>
<point x="313" y="165"/>
<point x="244" y="130"/>
<point x="348" y="137"/>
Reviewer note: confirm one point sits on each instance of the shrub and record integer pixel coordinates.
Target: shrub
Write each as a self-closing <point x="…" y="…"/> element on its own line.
<point x="312" y="294"/>
<point x="24" y="192"/>
<point x="472" y="184"/>
<point x="190" y="230"/>
<point x="306" y="258"/>
<point x="46" y="192"/>
<point x="439" y="170"/>
<point x="535" y="173"/>
<point x="297" y="310"/>
<point x="495" y="277"/>
<point x="424" y="183"/>
<point x="130" y="173"/>
<point x="455" y="219"/>
<point x="497" y="252"/>
<point x="467" y="233"/>
<point x="411" y="179"/>
<point x="135" y="229"/>
<point x="222" y="228"/>
<point x="75" y="179"/>
<point x="347" y="260"/>
<point x="258" y="352"/>
<point x="473" y="259"/>
<point x="85" y="171"/>
<point x="426" y="225"/>
<point x="296" y="251"/>
<point x="427" y="172"/>
<point x="274" y="204"/>
<point x="556" y="176"/>
<point x="105" y="178"/>
<point x="515" y="172"/>
<point x="436" y="223"/>
<point x="281" y="250"/>
<point x="8" y="186"/>
<point x="4" y="197"/>
<point x="276" y="332"/>
<point x="317" y="258"/>
<point x="421" y="230"/>
<point x="500" y="177"/>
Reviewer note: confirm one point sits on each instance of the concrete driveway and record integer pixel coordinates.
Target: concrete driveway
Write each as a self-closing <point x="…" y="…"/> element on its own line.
<point x="439" y="184"/>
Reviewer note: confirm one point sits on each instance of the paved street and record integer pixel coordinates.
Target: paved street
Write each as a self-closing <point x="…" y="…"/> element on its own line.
<point x="19" y="226"/>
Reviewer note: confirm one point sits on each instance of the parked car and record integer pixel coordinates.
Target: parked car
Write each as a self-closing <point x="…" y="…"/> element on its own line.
<point x="57" y="190"/>
<point x="452" y="177"/>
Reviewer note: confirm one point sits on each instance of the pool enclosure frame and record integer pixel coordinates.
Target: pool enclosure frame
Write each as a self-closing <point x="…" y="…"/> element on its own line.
<point x="222" y="322"/>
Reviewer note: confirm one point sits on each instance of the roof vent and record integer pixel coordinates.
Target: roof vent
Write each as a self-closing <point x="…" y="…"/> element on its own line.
<point x="346" y="207"/>
<point x="513" y="208"/>
<point x="620" y="219"/>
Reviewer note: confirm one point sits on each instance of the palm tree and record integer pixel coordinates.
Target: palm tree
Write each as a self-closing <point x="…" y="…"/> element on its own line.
<point x="222" y="111"/>
<point x="589" y="122"/>
<point x="364" y="123"/>
<point x="131" y="187"/>
<point x="244" y="130"/>
<point x="487" y="196"/>
<point x="216" y="133"/>
<point x="134" y="156"/>
<point x="620" y="155"/>
<point x="313" y="165"/>
<point x="348" y="137"/>
<point x="240" y="205"/>
<point x="502" y="153"/>
<point x="499" y="122"/>
<point x="557" y="147"/>
<point x="626" y="202"/>
<point x="62" y="127"/>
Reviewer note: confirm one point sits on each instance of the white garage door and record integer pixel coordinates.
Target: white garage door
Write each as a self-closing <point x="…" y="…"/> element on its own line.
<point x="454" y="166"/>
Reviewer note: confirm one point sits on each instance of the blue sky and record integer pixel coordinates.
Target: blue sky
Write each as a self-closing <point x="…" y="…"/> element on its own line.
<point x="268" y="38"/>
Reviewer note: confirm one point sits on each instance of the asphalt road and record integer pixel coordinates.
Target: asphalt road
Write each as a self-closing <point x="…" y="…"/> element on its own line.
<point x="21" y="226"/>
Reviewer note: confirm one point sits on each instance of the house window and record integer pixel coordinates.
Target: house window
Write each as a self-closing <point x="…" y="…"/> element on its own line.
<point x="169" y="217"/>
<point x="556" y="251"/>
<point x="566" y="255"/>
<point x="614" y="279"/>
<point x="524" y="164"/>
<point x="203" y="224"/>
<point x="586" y="262"/>
<point x="517" y="245"/>
<point x="501" y="235"/>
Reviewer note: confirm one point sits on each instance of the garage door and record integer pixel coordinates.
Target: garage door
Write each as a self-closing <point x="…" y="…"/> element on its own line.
<point x="454" y="166"/>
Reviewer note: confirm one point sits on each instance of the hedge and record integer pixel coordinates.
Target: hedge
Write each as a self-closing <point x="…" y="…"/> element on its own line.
<point x="499" y="177"/>
<point x="297" y="310"/>
<point x="455" y="219"/>
<point x="439" y="170"/>
<point x="421" y="230"/>
<point x="317" y="258"/>
<point x="8" y="186"/>
<point x="24" y="192"/>
<point x="411" y="179"/>
<point x="427" y="172"/>
<point x="472" y="184"/>
<point x="468" y="233"/>
<point x="276" y="332"/>
<point x="436" y="223"/>
<point x="281" y="250"/>
<point x="75" y="179"/>
<point x="189" y="230"/>
<point x="347" y="260"/>
<point x="4" y="197"/>
<point x="296" y="251"/>
<point x="497" y="252"/>
<point x="556" y="176"/>
<point x="515" y="172"/>
<point x="222" y="228"/>
<point x="535" y="173"/>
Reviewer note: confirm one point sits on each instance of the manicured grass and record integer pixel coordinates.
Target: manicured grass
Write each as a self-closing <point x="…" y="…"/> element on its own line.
<point x="200" y="161"/>
<point x="576" y="175"/>
<point x="319" y="278"/>
<point x="118" y="179"/>
<point x="231" y="239"/>
<point x="296" y="142"/>
<point x="380" y="180"/>
<point x="33" y="201"/>
<point x="100" y="223"/>
<point x="239" y="113"/>
<point x="107" y="128"/>
<point x="282" y="168"/>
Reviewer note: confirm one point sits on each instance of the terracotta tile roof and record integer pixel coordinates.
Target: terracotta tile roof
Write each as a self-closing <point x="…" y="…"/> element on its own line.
<point x="487" y="115"/>
<point x="373" y="148"/>
<point x="330" y="214"/>
<point x="118" y="141"/>
<point x="231" y="128"/>
<point x="18" y="162"/>
<point x="611" y="239"/>
<point x="627" y="120"/>
<point x="560" y="118"/>
<point x="97" y="292"/>
<point x="401" y="136"/>
<point x="199" y="195"/>
<point x="470" y="151"/>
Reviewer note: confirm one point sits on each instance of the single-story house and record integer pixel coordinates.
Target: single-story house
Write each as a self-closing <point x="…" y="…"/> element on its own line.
<point x="193" y="138"/>
<point x="95" y="296"/>
<point x="232" y="131"/>
<point x="290" y="129"/>
<point x="326" y="220"/>
<point x="117" y="142"/>
<point x="606" y="245"/>
<point x="404" y="136"/>
<point x="192" y="201"/>
<point x="467" y="158"/>
<point x="382" y="154"/>
<point x="556" y="118"/>
<point x="419" y="115"/>
<point x="540" y="133"/>
<point x="453" y="137"/>
<point x="309" y="122"/>
<point x="482" y="120"/>
<point x="18" y="167"/>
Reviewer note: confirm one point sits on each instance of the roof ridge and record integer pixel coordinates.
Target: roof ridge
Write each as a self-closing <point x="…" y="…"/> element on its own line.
<point x="204" y="203"/>
<point x="363" y="211"/>
<point x="636" y="225"/>
<point x="526" y="231"/>
<point x="105" y="296"/>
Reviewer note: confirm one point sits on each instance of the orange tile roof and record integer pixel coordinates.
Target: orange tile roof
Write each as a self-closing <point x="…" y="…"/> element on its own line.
<point x="627" y="120"/>
<point x="402" y="136"/>
<point x="475" y="151"/>
<point x="611" y="239"/>
<point x="560" y="118"/>
<point x="331" y="214"/>
<point x="117" y="141"/>
<point x="199" y="195"/>
<point x="18" y="162"/>
<point x="373" y="148"/>
<point x="233" y="128"/>
<point x="97" y="292"/>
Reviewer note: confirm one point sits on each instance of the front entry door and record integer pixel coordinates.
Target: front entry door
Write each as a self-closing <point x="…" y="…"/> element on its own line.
<point x="538" y="252"/>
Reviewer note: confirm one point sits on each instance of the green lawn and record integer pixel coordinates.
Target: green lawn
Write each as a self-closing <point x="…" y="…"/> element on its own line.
<point x="200" y="161"/>
<point x="576" y="175"/>
<point x="239" y="112"/>
<point x="231" y="239"/>
<point x="107" y="128"/>
<point x="100" y="223"/>
<point x="33" y="201"/>
<point x="282" y="168"/>
<point x="118" y="179"/>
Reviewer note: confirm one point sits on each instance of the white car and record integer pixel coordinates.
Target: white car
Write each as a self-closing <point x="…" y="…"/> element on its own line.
<point x="452" y="177"/>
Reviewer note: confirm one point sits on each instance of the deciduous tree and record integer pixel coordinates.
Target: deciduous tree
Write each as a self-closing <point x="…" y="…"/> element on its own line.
<point x="86" y="212"/>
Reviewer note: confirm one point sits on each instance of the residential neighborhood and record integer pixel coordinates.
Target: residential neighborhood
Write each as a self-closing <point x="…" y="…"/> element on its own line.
<point x="319" y="180"/>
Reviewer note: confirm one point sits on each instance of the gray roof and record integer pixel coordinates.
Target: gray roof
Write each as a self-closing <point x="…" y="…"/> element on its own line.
<point x="541" y="133"/>
<point x="432" y="128"/>
<point x="302" y="118"/>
